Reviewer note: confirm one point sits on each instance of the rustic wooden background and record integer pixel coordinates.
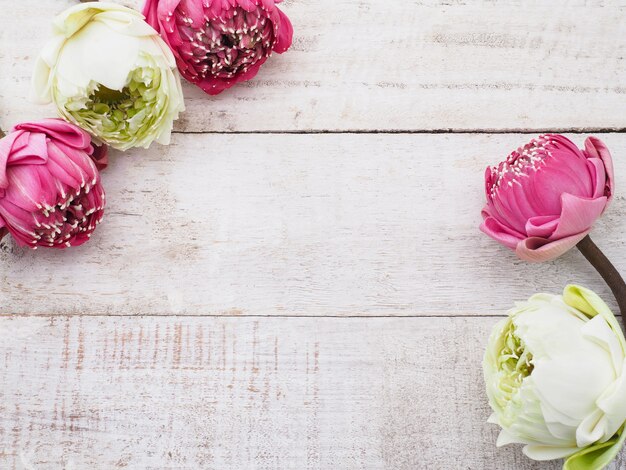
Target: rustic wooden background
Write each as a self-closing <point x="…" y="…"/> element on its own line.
<point x="298" y="281"/>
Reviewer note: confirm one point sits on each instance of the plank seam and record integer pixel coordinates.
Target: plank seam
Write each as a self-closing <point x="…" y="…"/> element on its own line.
<point x="572" y="130"/>
<point x="175" y="315"/>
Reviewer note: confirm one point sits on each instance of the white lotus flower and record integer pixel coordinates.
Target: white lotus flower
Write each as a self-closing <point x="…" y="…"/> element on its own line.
<point x="110" y="73"/>
<point x="555" y="371"/>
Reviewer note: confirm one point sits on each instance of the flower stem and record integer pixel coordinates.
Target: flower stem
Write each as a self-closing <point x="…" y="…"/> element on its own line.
<point x="608" y="272"/>
<point x="2" y="134"/>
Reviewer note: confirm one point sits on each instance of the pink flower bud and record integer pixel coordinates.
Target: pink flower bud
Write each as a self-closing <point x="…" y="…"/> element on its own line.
<point x="50" y="190"/>
<point x="218" y="43"/>
<point x="544" y="198"/>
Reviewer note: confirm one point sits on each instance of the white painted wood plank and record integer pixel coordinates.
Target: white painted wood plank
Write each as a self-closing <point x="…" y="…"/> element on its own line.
<point x="235" y="393"/>
<point x="369" y="64"/>
<point x="300" y="225"/>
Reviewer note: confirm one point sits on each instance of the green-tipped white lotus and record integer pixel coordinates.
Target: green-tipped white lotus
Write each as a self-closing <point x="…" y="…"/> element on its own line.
<point x="555" y="372"/>
<point x="110" y="73"/>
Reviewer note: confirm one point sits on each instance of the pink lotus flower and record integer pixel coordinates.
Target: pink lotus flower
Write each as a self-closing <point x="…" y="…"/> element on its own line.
<point x="544" y="198"/>
<point x="218" y="43"/>
<point x="50" y="190"/>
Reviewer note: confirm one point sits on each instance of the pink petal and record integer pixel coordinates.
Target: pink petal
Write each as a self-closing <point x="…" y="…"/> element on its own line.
<point x="597" y="149"/>
<point x="563" y="141"/>
<point x="193" y="9"/>
<point x="60" y="130"/>
<point x="64" y="169"/>
<point x="165" y="7"/>
<point x="247" y="5"/>
<point x="214" y="86"/>
<point x="598" y="177"/>
<point x="100" y="156"/>
<point x="268" y="4"/>
<point x="285" y="34"/>
<point x="251" y="72"/>
<point x="25" y="187"/>
<point x="149" y="10"/>
<point x="499" y="232"/>
<point x="578" y="215"/>
<point x="18" y="221"/>
<point x="506" y="209"/>
<point x="537" y="249"/>
<point x="542" y="226"/>
<point x="33" y="152"/>
<point x="6" y="145"/>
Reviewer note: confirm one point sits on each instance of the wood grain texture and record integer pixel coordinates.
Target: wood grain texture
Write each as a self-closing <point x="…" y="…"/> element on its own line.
<point x="176" y="339"/>
<point x="210" y="393"/>
<point x="372" y="65"/>
<point x="300" y="225"/>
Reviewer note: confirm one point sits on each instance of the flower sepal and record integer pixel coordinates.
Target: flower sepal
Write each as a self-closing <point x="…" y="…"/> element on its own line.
<point x="598" y="456"/>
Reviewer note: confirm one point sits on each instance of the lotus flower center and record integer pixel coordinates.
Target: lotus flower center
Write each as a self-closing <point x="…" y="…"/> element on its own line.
<point x="229" y="41"/>
<point x="514" y="364"/>
<point x="227" y="46"/>
<point x="116" y="114"/>
<point x="106" y="95"/>
<point x="56" y="225"/>
<point x="521" y="162"/>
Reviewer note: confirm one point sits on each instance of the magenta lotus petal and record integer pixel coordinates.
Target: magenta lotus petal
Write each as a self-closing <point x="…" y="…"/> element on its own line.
<point x="544" y="198"/>
<point x="218" y="43"/>
<point x="50" y="190"/>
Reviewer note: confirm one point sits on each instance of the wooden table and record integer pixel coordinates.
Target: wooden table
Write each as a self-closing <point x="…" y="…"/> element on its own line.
<point x="298" y="281"/>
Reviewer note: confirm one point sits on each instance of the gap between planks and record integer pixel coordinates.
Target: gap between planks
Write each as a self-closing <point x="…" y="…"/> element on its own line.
<point x="572" y="130"/>
<point x="202" y="315"/>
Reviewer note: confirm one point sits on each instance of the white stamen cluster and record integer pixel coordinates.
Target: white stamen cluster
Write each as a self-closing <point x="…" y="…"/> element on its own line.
<point x="74" y="215"/>
<point x="521" y="163"/>
<point x="514" y="363"/>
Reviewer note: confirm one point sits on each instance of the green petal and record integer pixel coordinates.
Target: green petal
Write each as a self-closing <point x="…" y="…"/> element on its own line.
<point x="596" y="457"/>
<point x="588" y="302"/>
<point x="582" y="299"/>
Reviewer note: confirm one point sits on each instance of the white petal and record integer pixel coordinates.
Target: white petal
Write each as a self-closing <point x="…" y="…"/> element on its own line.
<point x="598" y="330"/>
<point x="591" y="429"/>
<point x="73" y="19"/>
<point x="570" y="371"/>
<point x="79" y="64"/>
<point x="506" y="438"/>
<point x="41" y="82"/>
<point x="493" y="419"/>
<point x="538" y="452"/>
<point x="613" y="403"/>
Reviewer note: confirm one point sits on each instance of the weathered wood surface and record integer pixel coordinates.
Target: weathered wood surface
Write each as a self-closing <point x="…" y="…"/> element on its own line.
<point x="210" y="393"/>
<point x="372" y="65"/>
<point x="300" y="225"/>
<point x="102" y="364"/>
